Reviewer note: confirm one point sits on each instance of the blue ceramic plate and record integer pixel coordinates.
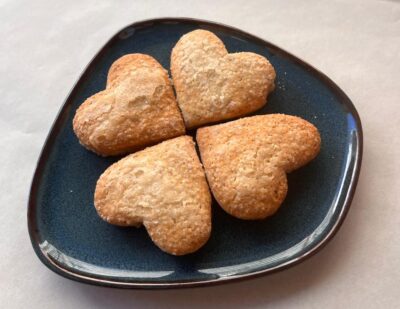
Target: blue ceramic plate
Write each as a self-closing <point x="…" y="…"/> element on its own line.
<point x="73" y="241"/>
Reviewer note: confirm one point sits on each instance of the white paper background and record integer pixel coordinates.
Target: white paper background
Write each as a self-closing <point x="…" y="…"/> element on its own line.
<point x="46" y="44"/>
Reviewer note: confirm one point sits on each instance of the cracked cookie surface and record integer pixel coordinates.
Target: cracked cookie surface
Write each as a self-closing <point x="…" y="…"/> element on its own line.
<point x="137" y="109"/>
<point x="164" y="188"/>
<point x="246" y="161"/>
<point x="213" y="85"/>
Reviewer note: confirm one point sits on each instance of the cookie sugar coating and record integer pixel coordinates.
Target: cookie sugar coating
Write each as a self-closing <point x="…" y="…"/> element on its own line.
<point x="246" y="161"/>
<point x="164" y="188"/>
<point x="212" y="85"/>
<point x="137" y="109"/>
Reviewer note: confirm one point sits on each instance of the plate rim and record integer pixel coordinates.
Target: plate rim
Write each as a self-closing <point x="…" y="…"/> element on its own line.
<point x="44" y="154"/>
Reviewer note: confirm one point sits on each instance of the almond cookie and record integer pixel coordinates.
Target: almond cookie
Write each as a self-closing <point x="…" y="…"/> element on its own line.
<point x="246" y="161"/>
<point x="138" y="108"/>
<point x="212" y="85"/>
<point x="164" y="188"/>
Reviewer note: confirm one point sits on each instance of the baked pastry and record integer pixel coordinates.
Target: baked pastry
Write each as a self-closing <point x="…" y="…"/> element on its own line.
<point x="212" y="85"/>
<point x="137" y="109"/>
<point x="246" y="161"/>
<point x="164" y="188"/>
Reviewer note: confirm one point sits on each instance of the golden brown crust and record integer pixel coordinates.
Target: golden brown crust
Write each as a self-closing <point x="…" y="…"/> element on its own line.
<point x="137" y="109"/>
<point x="212" y="85"/>
<point x="164" y="188"/>
<point x="246" y="160"/>
<point x="122" y="66"/>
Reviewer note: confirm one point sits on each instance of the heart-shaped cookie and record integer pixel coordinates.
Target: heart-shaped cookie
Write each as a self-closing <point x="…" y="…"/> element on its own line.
<point x="246" y="161"/>
<point x="212" y="85"/>
<point x="138" y="108"/>
<point x="164" y="188"/>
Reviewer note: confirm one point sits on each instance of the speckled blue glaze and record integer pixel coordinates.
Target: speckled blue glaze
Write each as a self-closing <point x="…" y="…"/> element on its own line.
<point x="72" y="240"/>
